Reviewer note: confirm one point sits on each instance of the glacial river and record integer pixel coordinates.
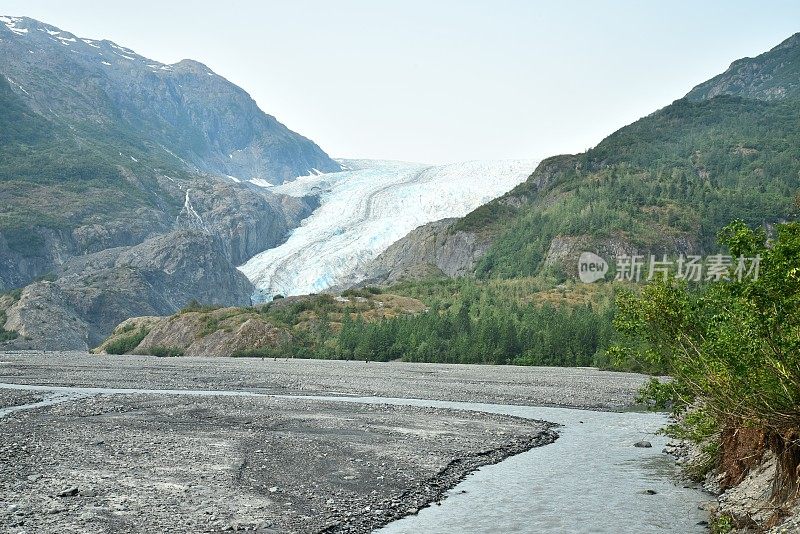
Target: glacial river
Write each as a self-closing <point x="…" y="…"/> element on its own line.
<point x="592" y="479"/>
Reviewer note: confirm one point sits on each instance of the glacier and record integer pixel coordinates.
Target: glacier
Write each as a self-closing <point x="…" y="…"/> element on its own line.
<point x="366" y="208"/>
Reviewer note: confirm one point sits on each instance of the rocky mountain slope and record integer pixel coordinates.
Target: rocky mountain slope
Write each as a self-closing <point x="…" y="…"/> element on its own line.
<point x="773" y="75"/>
<point x="125" y="183"/>
<point x="193" y="116"/>
<point x="98" y="147"/>
<point x="432" y="249"/>
<point x="662" y="185"/>
<point x="94" y="293"/>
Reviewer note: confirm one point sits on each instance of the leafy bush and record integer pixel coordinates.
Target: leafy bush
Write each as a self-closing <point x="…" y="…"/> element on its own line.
<point x="701" y="427"/>
<point x="722" y="524"/>
<point x="734" y="346"/>
<point x="658" y="395"/>
<point x="125" y="344"/>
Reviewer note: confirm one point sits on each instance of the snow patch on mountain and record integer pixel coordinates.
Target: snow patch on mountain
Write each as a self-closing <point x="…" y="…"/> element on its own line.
<point x="367" y="208"/>
<point x="11" y="24"/>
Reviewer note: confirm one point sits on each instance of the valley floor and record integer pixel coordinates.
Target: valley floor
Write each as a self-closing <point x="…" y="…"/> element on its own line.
<point x="116" y="460"/>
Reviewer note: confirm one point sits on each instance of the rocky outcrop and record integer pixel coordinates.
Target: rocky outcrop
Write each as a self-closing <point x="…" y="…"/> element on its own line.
<point x="186" y="331"/>
<point x="565" y="250"/>
<point x="45" y="319"/>
<point x="434" y="248"/>
<point x="94" y="293"/>
<point x="36" y="251"/>
<point x="749" y="503"/>
<point x="244" y="218"/>
<point x="755" y="486"/>
<point x="768" y="76"/>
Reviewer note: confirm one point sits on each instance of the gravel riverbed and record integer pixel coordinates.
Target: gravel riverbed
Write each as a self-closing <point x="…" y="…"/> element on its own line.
<point x="164" y="462"/>
<point x="500" y="384"/>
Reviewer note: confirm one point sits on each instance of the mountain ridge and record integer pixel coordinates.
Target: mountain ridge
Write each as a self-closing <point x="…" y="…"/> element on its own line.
<point x="772" y="75"/>
<point x="200" y="119"/>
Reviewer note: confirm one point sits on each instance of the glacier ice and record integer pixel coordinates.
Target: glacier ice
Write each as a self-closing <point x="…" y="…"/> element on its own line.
<point x="365" y="209"/>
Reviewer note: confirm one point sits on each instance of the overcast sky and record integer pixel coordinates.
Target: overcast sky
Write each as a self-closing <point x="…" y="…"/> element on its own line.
<point x="442" y="80"/>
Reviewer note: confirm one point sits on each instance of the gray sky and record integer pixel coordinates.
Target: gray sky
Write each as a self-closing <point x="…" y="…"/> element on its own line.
<point x="443" y="80"/>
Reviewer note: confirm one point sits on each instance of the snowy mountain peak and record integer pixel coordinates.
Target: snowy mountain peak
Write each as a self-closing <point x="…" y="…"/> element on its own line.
<point x="199" y="118"/>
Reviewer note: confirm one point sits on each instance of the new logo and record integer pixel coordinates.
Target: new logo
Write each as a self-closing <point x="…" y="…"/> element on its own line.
<point x="591" y="267"/>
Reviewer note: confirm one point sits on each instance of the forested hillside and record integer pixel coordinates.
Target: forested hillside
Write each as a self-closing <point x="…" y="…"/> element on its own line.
<point x="673" y="178"/>
<point x="665" y="184"/>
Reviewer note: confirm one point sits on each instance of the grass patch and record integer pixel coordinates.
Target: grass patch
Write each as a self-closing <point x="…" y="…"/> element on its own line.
<point x="195" y="306"/>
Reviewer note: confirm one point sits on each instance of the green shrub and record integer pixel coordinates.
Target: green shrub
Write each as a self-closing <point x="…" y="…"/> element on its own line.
<point x="130" y="327"/>
<point x="166" y="352"/>
<point x="658" y="395"/>
<point x="125" y="344"/>
<point x="701" y="427"/>
<point x="722" y="524"/>
<point x="734" y="344"/>
<point x="6" y="335"/>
